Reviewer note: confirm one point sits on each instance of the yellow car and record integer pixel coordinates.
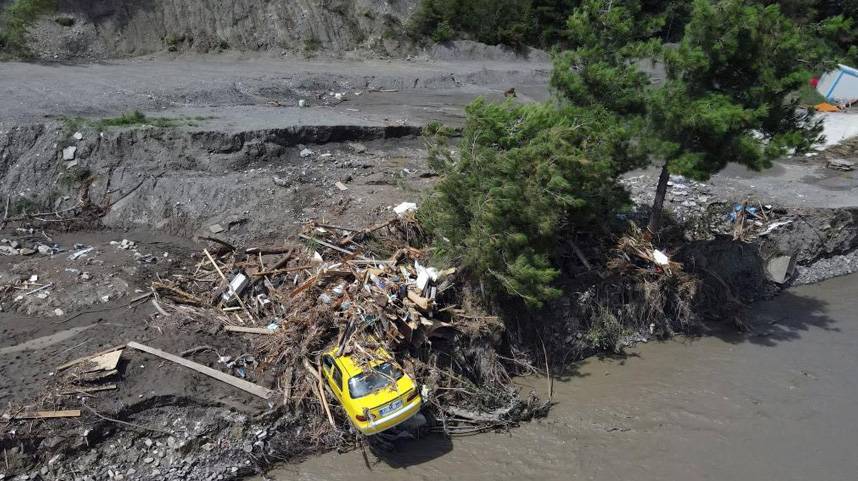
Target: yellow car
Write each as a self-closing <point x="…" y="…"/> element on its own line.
<point x="376" y="399"/>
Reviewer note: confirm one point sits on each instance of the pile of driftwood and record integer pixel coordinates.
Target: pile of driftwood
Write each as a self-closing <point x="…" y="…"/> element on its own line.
<point x="642" y="292"/>
<point x="356" y="291"/>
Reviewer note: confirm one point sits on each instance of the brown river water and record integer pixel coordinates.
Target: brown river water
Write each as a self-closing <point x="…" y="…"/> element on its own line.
<point x="779" y="403"/>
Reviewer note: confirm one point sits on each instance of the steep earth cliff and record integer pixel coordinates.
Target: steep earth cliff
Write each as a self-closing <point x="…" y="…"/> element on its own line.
<point x="90" y="29"/>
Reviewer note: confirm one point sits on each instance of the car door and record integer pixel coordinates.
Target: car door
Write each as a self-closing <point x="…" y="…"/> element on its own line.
<point x="334" y="374"/>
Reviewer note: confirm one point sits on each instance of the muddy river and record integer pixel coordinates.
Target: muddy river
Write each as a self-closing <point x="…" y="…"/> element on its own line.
<point x="779" y="403"/>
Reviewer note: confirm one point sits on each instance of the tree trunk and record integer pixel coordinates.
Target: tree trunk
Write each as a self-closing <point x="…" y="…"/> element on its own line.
<point x="658" y="203"/>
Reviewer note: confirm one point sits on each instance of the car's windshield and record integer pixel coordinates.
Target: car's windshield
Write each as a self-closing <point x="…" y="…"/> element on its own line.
<point x="370" y="382"/>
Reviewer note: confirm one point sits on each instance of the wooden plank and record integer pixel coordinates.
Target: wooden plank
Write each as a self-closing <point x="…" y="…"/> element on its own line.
<point x="422" y="302"/>
<point x="281" y="271"/>
<point x="269" y="250"/>
<point x="85" y="390"/>
<point x="87" y="358"/>
<point x="326" y="244"/>
<point x="249" y="330"/>
<point x="303" y="287"/>
<point x="71" y="413"/>
<point x="105" y="362"/>
<point x="239" y="383"/>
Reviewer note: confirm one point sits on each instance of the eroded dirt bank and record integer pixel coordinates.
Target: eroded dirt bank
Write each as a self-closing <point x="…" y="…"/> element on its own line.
<point x="775" y="403"/>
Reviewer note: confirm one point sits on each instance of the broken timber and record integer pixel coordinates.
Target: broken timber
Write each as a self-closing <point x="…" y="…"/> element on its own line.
<point x="249" y="330"/>
<point x="72" y="413"/>
<point x="246" y="386"/>
<point x="91" y="356"/>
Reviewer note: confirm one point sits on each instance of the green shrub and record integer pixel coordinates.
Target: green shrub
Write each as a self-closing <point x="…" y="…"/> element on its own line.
<point x="17" y="19"/>
<point x="525" y="179"/>
<point x="312" y="44"/>
<point x="128" y="119"/>
<point x="443" y="32"/>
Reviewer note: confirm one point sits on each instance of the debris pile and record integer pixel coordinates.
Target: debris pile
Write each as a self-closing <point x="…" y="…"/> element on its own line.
<point x="641" y="293"/>
<point x="357" y="291"/>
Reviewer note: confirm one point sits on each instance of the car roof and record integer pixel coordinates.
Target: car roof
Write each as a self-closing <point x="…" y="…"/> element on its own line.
<point x="349" y="366"/>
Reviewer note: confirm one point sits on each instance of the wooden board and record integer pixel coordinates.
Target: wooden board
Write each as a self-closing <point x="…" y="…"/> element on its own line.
<point x="249" y="330"/>
<point x="239" y="383"/>
<point x="87" y="358"/>
<point x="105" y="362"/>
<point x="84" y="390"/>
<point x="72" y="413"/>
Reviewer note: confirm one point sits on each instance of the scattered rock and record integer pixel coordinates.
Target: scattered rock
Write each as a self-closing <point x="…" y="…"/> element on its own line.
<point x="216" y="228"/>
<point x="44" y="250"/>
<point x="8" y="251"/>
<point x="779" y="269"/>
<point x="840" y="164"/>
<point x="306" y="153"/>
<point x="27" y="251"/>
<point x="78" y="136"/>
<point x="280" y="182"/>
<point x="358" y="148"/>
<point x="69" y="153"/>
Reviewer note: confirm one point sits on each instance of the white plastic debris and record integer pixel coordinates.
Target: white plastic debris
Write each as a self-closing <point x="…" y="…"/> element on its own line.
<point x="660" y="258"/>
<point x="302" y="103"/>
<point x="236" y="286"/>
<point x="405" y="207"/>
<point x="306" y="153"/>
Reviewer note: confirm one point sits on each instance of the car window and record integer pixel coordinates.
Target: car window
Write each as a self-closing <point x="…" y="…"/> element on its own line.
<point x="327" y="360"/>
<point x="337" y="375"/>
<point x="369" y="382"/>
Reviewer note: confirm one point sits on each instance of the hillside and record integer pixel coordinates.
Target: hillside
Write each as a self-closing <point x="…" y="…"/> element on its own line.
<point x="97" y="29"/>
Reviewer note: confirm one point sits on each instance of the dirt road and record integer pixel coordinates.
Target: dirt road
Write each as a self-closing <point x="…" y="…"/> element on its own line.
<point x="775" y="404"/>
<point x="375" y="90"/>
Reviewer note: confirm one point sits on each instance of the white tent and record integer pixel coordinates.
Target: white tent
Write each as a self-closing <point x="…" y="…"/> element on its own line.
<point x="839" y="86"/>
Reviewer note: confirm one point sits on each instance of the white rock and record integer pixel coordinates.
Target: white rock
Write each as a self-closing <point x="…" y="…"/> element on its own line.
<point x="69" y="153"/>
<point x="302" y="103"/>
<point x="58" y="312"/>
<point x="306" y="153"/>
<point x="78" y="136"/>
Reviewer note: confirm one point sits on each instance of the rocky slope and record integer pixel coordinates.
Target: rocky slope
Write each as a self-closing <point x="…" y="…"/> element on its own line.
<point x="118" y="28"/>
